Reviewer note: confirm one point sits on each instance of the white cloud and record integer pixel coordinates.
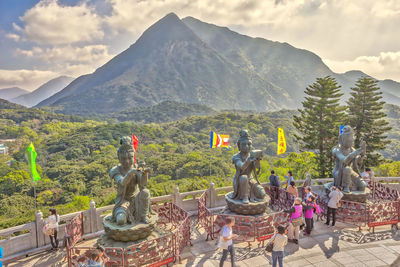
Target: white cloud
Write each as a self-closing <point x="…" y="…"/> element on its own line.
<point x="26" y="79"/>
<point x="90" y="54"/>
<point x="49" y="22"/>
<point x="70" y="60"/>
<point x="385" y="65"/>
<point x="13" y="36"/>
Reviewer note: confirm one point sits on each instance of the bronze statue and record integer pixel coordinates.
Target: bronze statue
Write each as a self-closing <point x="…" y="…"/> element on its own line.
<point x="132" y="203"/>
<point x="247" y="163"/>
<point x="348" y="162"/>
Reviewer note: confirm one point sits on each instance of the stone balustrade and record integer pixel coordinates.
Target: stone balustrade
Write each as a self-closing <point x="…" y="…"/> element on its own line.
<point x="28" y="238"/>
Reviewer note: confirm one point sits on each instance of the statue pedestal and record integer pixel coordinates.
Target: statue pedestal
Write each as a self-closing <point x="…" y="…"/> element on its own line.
<point x="128" y="232"/>
<point x="354" y="196"/>
<point x="252" y="208"/>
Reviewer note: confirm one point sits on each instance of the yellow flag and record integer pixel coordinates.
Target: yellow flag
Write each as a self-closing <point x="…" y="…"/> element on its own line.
<point x="281" y="142"/>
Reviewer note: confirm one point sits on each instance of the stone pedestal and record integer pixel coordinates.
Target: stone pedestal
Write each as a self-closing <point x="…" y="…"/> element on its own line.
<point x="128" y="232"/>
<point x="252" y="208"/>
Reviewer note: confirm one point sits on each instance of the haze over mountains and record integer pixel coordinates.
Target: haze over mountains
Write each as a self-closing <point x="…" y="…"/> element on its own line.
<point x="43" y="92"/>
<point x="12" y="92"/>
<point x="191" y="61"/>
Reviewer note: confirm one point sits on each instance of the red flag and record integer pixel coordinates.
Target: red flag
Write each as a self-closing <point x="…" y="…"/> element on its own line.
<point x="135" y="142"/>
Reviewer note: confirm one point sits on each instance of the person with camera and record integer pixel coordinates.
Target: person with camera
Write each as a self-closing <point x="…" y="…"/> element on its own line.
<point x="334" y="198"/>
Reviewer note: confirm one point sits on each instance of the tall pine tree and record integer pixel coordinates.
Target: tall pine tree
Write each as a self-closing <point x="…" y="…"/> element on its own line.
<point x="367" y="119"/>
<point x="319" y="121"/>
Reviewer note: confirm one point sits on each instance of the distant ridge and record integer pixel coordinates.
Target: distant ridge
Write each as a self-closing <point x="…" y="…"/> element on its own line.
<point x="12" y="92"/>
<point x="43" y="92"/>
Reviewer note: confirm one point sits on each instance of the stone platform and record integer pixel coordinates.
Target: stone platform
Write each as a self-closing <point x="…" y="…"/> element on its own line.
<point x="129" y="232"/>
<point x="339" y="246"/>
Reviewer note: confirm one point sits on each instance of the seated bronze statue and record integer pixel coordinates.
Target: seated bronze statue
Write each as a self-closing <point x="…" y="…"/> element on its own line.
<point x="247" y="162"/>
<point x="348" y="162"/>
<point x="132" y="203"/>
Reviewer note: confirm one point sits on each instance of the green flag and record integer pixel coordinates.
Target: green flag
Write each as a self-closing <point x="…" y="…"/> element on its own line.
<point x="31" y="157"/>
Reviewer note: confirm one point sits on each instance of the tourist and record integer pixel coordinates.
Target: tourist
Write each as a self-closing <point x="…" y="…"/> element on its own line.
<point x="273" y="179"/>
<point x="334" y="197"/>
<point x="366" y="175"/>
<point x="279" y="241"/>
<point x="295" y="221"/>
<point x="226" y="242"/>
<point x="308" y="192"/>
<point x="51" y="226"/>
<point x="274" y="185"/>
<point x="292" y="189"/>
<point x="309" y="207"/>
<point x="289" y="178"/>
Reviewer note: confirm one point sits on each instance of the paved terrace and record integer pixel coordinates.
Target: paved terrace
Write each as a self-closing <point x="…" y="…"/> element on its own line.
<point x="339" y="246"/>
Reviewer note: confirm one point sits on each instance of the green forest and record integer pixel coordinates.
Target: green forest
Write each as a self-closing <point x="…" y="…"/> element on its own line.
<point x="75" y="154"/>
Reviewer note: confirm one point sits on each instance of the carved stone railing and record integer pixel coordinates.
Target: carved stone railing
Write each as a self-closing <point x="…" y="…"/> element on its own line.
<point x="28" y="238"/>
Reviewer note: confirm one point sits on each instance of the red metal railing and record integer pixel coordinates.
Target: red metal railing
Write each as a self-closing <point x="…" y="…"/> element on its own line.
<point x="152" y="252"/>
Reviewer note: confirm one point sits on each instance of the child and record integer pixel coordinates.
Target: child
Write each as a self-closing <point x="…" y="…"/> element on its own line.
<point x="279" y="241"/>
<point x="226" y="242"/>
<point x="309" y="207"/>
<point x="295" y="221"/>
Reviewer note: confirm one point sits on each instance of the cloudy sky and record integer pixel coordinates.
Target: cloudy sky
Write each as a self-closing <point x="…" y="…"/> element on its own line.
<point x="40" y="40"/>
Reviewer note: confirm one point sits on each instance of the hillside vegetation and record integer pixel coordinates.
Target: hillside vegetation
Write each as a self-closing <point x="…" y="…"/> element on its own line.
<point x="76" y="153"/>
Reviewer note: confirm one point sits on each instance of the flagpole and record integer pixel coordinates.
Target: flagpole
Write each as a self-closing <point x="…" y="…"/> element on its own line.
<point x="33" y="180"/>
<point x="34" y="193"/>
<point x="210" y="156"/>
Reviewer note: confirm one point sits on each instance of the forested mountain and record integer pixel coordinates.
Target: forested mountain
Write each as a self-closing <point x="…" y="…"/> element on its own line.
<point x="43" y="92"/>
<point x="169" y="62"/>
<point x="191" y="61"/>
<point x="280" y="63"/>
<point x="164" y="112"/>
<point x="10" y="93"/>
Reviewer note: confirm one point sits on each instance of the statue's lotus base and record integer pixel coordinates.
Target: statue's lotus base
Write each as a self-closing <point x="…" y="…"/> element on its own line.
<point x="252" y="208"/>
<point x="128" y="232"/>
<point x="354" y="196"/>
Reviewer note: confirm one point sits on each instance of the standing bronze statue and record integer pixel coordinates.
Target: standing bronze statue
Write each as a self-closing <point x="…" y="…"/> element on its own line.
<point x="348" y="162"/>
<point x="248" y="196"/>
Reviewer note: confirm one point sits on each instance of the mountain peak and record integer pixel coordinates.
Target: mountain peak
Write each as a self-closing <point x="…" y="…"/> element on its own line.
<point x="168" y="28"/>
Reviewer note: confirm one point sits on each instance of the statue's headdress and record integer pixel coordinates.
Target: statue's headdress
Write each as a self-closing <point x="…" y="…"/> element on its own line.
<point x="243" y="136"/>
<point x="347" y="130"/>
<point x="126" y="145"/>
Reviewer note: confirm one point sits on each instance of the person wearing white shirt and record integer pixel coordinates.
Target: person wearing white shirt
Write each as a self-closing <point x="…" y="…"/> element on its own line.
<point x="279" y="241"/>
<point x="53" y="221"/>
<point x="226" y="240"/>
<point x="366" y="175"/>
